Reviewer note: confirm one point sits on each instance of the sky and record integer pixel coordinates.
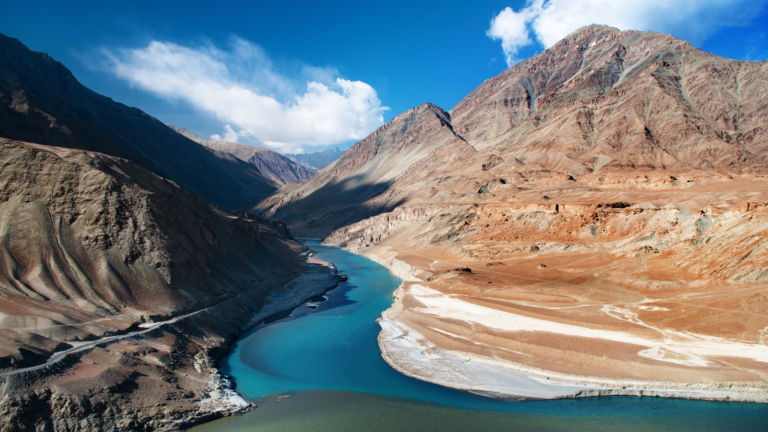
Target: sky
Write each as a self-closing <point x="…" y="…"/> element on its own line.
<point x="308" y="76"/>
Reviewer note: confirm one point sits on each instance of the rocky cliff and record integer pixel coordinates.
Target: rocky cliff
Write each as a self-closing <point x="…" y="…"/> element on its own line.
<point x="270" y="164"/>
<point x="42" y="102"/>
<point x="595" y="213"/>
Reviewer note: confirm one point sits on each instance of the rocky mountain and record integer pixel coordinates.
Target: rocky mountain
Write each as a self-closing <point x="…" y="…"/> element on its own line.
<point x="417" y="144"/>
<point x="598" y="101"/>
<point x="96" y="248"/>
<point x="42" y="102"/>
<point x="270" y="164"/>
<point x="120" y="286"/>
<point x="317" y="160"/>
<point x="640" y="99"/>
<point x="595" y="213"/>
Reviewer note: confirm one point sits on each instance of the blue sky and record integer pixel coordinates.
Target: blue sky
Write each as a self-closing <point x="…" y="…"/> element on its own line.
<point x="241" y="70"/>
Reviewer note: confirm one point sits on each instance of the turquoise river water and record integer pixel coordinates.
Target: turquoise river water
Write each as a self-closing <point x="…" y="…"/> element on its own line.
<point x="328" y="359"/>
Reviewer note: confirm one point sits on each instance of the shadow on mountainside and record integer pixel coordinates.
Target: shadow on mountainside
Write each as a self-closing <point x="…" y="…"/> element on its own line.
<point x="336" y="205"/>
<point x="42" y="102"/>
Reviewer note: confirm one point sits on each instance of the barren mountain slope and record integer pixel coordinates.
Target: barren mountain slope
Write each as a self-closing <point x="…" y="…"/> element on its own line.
<point x="42" y="102"/>
<point x="356" y="186"/>
<point x="92" y="245"/>
<point x="270" y="164"/>
<point x="595" y="214"/>
<point x="613" y="99"/>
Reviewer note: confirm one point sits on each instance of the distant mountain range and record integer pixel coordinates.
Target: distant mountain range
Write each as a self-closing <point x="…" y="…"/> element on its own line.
<point x="317" y="160"/>
<point x="270" y="163"/>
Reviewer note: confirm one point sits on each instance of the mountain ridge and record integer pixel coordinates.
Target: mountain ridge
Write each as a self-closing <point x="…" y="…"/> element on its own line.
<point x="95" y="248"/>
<point x="270" y="163"/>
<point x="42" y="102"/>
<point x="317" y="160"/>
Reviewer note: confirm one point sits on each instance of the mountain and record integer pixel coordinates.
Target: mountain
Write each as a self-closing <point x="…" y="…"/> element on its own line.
<point x="94" y="247"/>
<point x="362" y="183"/>
<point x="110" y="239"/>
<point x="270" y="164"/>
<point x="120" y="286"/>
<point x="601" y="100"/>
<point x="593" y="215"/>
<point x="317" y="160"/>
<point x="42" y="102"/>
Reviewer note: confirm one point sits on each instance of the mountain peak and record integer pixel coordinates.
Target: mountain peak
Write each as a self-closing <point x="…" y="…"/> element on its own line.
<point x="593" y="30"/>
<point x="269" y="163"/>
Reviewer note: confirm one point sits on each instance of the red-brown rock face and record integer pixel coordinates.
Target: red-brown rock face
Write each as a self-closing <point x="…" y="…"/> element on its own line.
<point x="611" y="99"/>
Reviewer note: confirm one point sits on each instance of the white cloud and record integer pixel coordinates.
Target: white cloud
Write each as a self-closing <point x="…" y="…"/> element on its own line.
<point x="229" y="135"/>
<point x="510" y="27"/>
<point x="241" y="87"/>
<point x="552" y="20"/>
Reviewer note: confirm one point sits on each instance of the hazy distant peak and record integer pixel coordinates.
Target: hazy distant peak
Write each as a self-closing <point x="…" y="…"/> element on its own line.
<point x="269" y="163"/>
<point x="317" y="160"/>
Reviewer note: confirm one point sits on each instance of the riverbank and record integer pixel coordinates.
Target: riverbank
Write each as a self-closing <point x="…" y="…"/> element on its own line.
<point x="411" y="353"/>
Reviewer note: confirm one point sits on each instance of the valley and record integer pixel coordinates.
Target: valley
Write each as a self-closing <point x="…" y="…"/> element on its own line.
<point x="590" y="222"/>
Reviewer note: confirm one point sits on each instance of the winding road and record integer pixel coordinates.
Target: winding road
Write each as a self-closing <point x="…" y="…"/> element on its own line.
<point x="148" y="328"/>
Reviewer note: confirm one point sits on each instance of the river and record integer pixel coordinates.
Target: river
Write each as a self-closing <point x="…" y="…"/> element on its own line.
<point x="324" y="354"/>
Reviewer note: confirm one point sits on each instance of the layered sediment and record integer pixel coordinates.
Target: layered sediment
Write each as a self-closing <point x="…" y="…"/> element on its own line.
<point x="412" y="354"/>
<point x="631" y="313"/>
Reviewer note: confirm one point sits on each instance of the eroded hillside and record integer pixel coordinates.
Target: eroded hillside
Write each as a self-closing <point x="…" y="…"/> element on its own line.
<point x="93" y="246"/>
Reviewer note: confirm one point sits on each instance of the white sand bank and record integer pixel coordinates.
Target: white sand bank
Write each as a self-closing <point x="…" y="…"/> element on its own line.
<point x="675" y="347"/>
<point x="413" y="355"/>
<point x="409" y="353"/>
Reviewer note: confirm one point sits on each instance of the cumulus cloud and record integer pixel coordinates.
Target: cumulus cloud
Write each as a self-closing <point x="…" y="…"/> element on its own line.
<point x="241" y="87"/>
<point x="510" y="27"/>
<point x="229" y="135"/>
<point x="552" y="20"/>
